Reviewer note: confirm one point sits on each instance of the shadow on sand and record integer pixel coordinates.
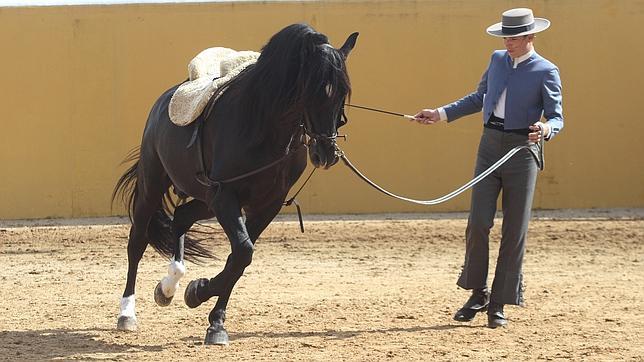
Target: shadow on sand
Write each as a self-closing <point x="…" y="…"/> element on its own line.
<point x="339" y="335"/>
<point x="65" y="344"/>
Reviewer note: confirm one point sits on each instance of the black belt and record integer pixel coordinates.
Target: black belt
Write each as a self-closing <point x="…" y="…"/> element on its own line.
<point x="497" y="123"/>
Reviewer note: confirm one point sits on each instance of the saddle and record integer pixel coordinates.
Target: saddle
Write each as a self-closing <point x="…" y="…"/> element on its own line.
<point x="208" y="71"/>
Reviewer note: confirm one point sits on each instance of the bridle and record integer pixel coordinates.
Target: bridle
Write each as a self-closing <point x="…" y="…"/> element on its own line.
<point x="341" y="120"/>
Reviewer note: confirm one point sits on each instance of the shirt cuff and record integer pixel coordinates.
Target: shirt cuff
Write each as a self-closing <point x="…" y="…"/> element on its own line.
<point x="442" y="114"/>
<point x="552" y="133"/>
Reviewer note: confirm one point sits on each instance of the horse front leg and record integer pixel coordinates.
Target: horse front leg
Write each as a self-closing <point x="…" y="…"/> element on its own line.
<point x="242" y="238"/>
<point x="184" y="217"/>
<point x="226" y="207"/>
<point x="256" y="223"/>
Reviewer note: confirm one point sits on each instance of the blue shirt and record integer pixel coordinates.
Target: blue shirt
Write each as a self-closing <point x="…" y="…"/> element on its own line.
<point x="533" y="91"/>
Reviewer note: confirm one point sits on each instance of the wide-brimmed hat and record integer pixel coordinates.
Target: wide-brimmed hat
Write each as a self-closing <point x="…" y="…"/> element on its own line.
<point x="518" y="22"/>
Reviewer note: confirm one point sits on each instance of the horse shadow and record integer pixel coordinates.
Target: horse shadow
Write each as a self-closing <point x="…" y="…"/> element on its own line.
<point x="342" y="334"/>
<point x="48" y="344"/>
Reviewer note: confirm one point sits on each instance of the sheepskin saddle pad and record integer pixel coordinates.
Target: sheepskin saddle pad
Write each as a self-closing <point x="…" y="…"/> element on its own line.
<point x="207" y="72"/>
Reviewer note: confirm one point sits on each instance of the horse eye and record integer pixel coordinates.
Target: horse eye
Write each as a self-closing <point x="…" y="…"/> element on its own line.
<point x="342" y="120"/>
<point x="329" y="90"/>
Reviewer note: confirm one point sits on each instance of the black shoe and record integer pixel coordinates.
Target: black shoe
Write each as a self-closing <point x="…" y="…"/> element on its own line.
<point x="478" y="302"/>
<point x="495" y="316"/>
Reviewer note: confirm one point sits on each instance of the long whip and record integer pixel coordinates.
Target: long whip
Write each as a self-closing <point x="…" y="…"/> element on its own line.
<point x="380" y="111"/>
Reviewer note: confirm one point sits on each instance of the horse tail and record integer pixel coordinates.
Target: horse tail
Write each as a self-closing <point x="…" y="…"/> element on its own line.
<point x="159" y="232"/>
<point x="126" y="184"/>
<point x="161" y="237"/>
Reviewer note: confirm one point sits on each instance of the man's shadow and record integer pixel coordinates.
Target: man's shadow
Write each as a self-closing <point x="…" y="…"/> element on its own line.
<point x="65" y="343"/>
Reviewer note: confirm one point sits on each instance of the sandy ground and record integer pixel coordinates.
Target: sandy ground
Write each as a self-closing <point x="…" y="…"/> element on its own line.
<point x="350" y="288"/>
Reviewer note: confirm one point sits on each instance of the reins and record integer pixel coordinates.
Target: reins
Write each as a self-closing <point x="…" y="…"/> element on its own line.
<point x="292" y="200"/>
<point x="205" y="180"/>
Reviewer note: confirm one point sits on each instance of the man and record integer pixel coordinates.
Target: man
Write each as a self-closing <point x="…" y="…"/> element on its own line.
<point x="517" y="89"/>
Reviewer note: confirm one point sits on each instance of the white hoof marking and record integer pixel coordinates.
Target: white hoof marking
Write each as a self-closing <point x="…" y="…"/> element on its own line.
<point x="127" y="317"/>
<point x="170" y="283"/>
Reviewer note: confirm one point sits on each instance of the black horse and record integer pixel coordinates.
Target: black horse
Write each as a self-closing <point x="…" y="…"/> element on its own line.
<point x="236" y="162"/>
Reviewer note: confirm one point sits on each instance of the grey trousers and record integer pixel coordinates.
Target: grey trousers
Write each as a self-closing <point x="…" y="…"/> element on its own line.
<point x="517" y="178"/>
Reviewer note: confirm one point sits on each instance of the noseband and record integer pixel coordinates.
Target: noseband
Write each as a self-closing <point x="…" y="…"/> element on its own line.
<point x="315" y="137"/>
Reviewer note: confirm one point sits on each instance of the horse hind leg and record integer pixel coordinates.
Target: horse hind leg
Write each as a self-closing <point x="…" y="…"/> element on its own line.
<point x="184" y="217"/>
<point x="137" y="243"/>
<point x="127" y="316"/>
<point x="147" y="200"/>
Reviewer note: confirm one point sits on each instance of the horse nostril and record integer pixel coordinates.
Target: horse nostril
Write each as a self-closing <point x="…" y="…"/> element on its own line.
<point x="315" y="159"/>
<point x="335" y="160"/>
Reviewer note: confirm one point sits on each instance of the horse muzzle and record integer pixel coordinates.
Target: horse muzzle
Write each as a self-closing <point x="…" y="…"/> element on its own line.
<point x="323" y="152"/>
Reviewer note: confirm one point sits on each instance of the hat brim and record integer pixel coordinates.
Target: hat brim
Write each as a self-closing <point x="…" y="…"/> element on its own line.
<point x="539" y="25"/>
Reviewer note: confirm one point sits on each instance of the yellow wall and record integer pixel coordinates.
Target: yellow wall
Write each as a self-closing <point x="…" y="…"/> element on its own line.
<point x="77" y="83"/>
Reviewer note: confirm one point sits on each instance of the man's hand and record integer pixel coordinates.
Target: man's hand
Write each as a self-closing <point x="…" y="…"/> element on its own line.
<point x="427" y="116"/>
<point x="539" y="130"/>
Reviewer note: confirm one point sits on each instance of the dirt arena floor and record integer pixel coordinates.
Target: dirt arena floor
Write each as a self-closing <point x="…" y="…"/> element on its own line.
<point x="367" y="289"/>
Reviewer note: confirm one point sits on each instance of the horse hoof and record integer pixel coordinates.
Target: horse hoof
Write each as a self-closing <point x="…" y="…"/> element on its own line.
<point x="126" y="323"/>
<point x="190" y="296"/>
<point x="216" y="336"/>
<point x="160" y="298"/>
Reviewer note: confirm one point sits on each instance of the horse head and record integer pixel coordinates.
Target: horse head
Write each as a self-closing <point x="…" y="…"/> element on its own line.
<point x="324" y="87"/>
<point x="299" y="81"/>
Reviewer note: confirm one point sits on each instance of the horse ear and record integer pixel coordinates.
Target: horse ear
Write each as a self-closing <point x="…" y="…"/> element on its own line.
<point x="349" y="44"/>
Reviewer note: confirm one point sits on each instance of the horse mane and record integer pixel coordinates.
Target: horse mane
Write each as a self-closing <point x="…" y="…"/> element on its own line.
<point x="296" y="68"/>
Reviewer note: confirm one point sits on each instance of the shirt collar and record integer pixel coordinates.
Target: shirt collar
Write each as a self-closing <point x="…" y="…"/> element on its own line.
<point x="522" y="58"/>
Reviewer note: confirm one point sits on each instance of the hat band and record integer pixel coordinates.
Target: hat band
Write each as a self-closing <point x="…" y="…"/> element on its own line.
<point x="516" y="29"/>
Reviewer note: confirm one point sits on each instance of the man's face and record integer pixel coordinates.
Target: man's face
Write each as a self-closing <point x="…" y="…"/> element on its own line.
<point x="518" y="45"/>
